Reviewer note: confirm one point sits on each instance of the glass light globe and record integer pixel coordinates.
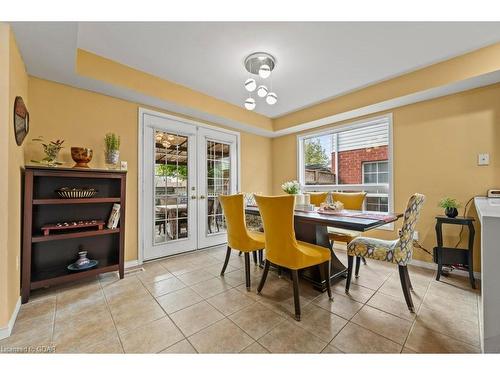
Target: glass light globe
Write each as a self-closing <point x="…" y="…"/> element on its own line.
<point x="271" y="98"/>
<point x="262" y="91"/>
<point x="250" y="84"/>
<point x="264" y="71"/>
<point x="250" y="104"/>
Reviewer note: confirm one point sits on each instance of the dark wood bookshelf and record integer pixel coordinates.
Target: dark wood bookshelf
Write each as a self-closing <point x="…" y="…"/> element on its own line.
<point x="45" y="258"/>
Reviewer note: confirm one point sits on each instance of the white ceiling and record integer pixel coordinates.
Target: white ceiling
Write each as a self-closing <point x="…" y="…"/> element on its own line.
<point x="315" y="61"/>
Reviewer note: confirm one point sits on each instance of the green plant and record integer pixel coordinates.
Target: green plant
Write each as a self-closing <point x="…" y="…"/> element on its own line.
<point x="291" y="187"/>
<point x="112" y="142"/>
<point x="315" y="154"/>
<point x="51" y="150"/>
<point x="172" y="171"/>
<point x="448" y="203"/>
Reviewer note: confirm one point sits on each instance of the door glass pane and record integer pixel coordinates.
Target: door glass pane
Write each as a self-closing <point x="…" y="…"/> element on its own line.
<point x="218" y="182"/>
<point x="171" y="181"/>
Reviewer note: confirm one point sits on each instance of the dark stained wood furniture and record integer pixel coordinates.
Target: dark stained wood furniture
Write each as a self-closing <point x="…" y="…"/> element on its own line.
<point x="450" y="255"/>
<point x="312" y="227"/>
<point x="45" y="257"/>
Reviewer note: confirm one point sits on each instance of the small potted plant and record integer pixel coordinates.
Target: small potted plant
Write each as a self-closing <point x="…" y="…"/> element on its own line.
<point x="450" y="206"/>
<point x="291" y="187"/>
<point x="51" y="150"/>
<point x="112" y="150"/>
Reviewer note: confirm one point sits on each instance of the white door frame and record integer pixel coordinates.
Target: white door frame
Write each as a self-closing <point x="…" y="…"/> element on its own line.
<point x="140" y="172"/>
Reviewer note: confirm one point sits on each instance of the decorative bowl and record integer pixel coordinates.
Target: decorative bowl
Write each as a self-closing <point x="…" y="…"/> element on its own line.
<point x="82" y="156"/>
<point x="66" y="192"/>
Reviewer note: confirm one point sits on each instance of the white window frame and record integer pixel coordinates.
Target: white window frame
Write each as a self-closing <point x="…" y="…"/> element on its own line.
<point x="341" y="187"/>
<point x="375" y="173"/>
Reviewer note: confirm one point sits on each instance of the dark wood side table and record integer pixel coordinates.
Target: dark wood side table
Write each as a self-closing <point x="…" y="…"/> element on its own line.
<point x="451" y="255"/>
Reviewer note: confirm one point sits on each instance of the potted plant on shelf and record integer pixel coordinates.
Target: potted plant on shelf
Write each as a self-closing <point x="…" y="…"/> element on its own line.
<point x="450" y="206"/>
<point x="51" y="150"/>
<point x="112" y="151"/>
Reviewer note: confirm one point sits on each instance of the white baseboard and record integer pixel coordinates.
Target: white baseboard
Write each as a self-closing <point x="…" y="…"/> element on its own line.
<point x="7" y="330"/>
<point x="433" y="266"/>
<point x="132" y="263"/>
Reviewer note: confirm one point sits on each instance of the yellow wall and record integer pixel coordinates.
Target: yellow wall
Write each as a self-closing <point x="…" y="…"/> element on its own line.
<point x="14" y="82"/>
<point x="82" y="118"/>
<point x="435" y="153"/>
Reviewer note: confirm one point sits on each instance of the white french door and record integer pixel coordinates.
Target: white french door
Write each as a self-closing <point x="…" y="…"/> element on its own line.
<point x="184" y="169"/>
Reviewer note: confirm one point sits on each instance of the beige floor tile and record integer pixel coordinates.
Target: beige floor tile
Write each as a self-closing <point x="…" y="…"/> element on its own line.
<point x="182" y="347"/>
<point x="408" y="351"/>
<point x="290" y="338"/>
<point x="229" y="302"/>
<point x="80" y="298"/>
<point x="38" y="309"/>
<point x="30" y="333"/>
<point x="330" y="349"/>
<point x="392" y="305"/>
<point x="77" y="333"/>
<point x="180" y="267"/>
<point x="195" y="277"/>
<point x="210" y="288"/>
<point x="124" y="290"/>
<point x="165" y="286"/>
<point x="255" y="348"/>
<point x="321" y="323"/>
<point x="370" y="279"/>
<point x="151" y="338"/>
<point x="356" y="339"/>
<point x="460" y="329"/>
<point x="135" y="313"/>
<point x="356" y="292"/>
<point x="221" y="337"/>
<point x="237" y="277"/>
<point x="424" y="340"/>
<point x="256" y="320"/>
<point x="383" y="323"/>
<point x="341" y="305"/>
<point x="178" y="300"/>
<point x="215" y="269"/>
<point x="110" y="346"/>
<point x="203" y="260"/>
<point x="392" y="287"/>
<point x="153" y="272"/>
<point x="196" y="317"/>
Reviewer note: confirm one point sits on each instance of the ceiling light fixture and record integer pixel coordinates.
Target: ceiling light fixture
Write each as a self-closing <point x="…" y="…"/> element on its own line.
<point x="261" y="65"/>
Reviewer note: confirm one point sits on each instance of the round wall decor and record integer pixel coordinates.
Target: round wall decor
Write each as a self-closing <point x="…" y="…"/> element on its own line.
<point x="21" y="120"/>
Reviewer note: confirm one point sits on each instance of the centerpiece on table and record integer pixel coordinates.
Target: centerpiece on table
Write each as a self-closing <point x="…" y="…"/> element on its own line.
<point x="302" y="201"/>
<point x="450" y="206"/>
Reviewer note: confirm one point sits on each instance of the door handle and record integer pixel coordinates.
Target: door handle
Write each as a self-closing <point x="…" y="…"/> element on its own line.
<point x="202" y="197"/>
<point x="193" y="196"/>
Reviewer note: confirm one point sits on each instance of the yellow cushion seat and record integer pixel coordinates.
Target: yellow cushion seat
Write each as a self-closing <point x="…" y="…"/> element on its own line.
<point x="310" y="255"/>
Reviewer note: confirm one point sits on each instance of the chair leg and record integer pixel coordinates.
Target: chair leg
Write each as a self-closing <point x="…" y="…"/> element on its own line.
<point x="254" y="256"/>
<point x="350" y="260"/>
<point x="247" y="270"/>
<point x="239" y="254"/>
<point x="228" y="254"/>
<point x="296" y="297"/>
<point x="364" y="260"/>
<point x="403" y="276"/>
<point x="324" y="271"/>
<point x="358" y="263"/>
<point x="261" y="257"/>
<point x="264" y="276"/>
<point x="408" y="280"/>
<point x="279" y="272"/>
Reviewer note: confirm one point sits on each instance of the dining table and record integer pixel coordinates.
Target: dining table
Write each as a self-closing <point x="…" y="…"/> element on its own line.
<point x="312" y="227"/>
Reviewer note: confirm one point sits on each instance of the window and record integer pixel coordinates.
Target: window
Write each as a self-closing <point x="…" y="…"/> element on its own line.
<point x="375" y="172"/>
<point x="353" y="157"/>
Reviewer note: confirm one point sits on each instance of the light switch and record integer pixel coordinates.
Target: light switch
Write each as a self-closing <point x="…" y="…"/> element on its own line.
<point x="483" y="159"/>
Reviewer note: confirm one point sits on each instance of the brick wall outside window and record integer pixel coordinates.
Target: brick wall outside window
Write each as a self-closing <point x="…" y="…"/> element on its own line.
<point x="351" y="163"/>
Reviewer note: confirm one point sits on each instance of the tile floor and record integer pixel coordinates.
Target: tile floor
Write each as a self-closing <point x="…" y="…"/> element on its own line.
<point x="182" y="305"/>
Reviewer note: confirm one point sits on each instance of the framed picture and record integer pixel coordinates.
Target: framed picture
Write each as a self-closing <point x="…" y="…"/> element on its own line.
<point x="21" y="120"/>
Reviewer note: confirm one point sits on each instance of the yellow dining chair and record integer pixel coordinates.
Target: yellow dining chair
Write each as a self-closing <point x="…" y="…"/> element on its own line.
<point x="318" y="198"/>
<point x="283" y="249"/>
<point x="351" y="201"/>
<point x="398" y="251"/>
<point x="238" y="236"/>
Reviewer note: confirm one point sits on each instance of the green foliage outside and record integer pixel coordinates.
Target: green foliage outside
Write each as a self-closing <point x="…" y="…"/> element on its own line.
<point x="314" y="154"/>
<point x="172" y="171"/>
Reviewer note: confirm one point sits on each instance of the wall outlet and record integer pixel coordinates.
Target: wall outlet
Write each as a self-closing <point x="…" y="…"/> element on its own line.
<point x="483" y="159"/>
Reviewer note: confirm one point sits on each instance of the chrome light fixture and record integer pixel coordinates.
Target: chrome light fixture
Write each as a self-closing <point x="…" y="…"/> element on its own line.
<point x="261" y="65"/>
<point x="250" y="104"/>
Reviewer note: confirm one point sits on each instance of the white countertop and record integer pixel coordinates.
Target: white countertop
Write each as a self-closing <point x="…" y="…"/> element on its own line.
<point x="487" y="207"/>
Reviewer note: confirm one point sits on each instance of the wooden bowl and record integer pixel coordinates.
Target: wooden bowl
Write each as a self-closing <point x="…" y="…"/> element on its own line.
<point x="82" y="156"/>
